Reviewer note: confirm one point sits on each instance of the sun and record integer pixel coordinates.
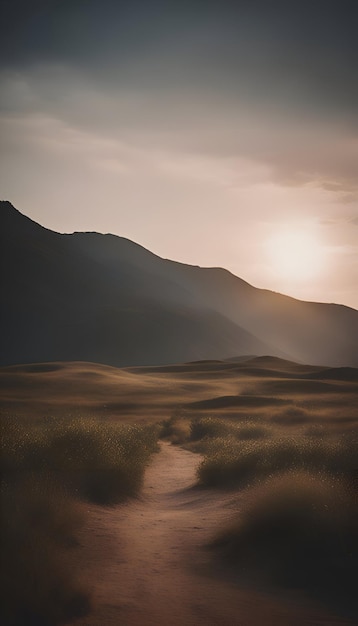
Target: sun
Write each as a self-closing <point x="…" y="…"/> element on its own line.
<point x="296" y="254"/>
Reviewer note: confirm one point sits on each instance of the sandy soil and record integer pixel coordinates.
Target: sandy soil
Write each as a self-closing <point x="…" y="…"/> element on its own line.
<point x="263" y="386"/>
<point x="147" y="564"/>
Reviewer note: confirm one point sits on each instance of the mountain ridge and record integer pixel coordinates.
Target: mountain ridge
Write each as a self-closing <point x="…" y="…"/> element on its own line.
<point x="101" y="297"/>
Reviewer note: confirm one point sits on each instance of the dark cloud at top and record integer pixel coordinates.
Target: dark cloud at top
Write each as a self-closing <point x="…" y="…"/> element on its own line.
<point x="274" y="80"/>
<point x="309" y="46"/>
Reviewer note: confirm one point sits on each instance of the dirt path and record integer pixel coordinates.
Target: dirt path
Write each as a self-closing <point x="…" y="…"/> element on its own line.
<point x="146" y="562"/>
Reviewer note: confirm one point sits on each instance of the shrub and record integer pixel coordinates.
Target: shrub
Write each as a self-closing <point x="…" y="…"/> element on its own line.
<point x="301" y="529"/>
<point x="198" y="433"/>
<point x="229" y="462"/>
<point x="47" y="468"/>
<point x="176" y="429"/>
<point x="40" y="582"/>
<point x="211" y="427"/>
<point x="99" y="461"/>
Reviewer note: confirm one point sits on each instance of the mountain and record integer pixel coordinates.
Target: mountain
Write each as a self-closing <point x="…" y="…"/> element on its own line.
<point x="103" y="298"/>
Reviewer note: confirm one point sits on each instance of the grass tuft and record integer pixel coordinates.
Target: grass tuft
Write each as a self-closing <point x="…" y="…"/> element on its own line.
<point x="301" y="529"/>
<point x="47" y="468"/>
<point x="229" y="462"/>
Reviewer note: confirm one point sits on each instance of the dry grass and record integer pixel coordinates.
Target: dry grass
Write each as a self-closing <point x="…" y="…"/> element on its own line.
<point x="258" y="421"/>
<point x="40" y="580"/>
<point x="198" y="433"/>
<point x="176" y="429"/>
<point x="205" y="429"/>
<point x="94" y="460"/>
<point x="229" y="462"/>
<point x="301" y="529"/>
<point x="298" y="522"/>
<point x="47" y="469"/>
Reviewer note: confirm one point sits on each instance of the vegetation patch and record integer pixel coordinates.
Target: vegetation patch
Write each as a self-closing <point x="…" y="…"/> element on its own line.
<point x="47" y="468"/>
<point x="298" y="522"/>
<point x="301" y="529"/>
<point x="176" y="429"/>
<point x="232" y="462"/>
<point x="198" y="434"/>
<point x="40" y="576"/>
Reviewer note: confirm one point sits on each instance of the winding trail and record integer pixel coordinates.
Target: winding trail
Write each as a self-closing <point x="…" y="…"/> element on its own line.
<point x="147" y="566"/>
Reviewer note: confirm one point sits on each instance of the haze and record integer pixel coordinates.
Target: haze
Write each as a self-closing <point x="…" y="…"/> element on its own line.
<point x="218" y="134"/>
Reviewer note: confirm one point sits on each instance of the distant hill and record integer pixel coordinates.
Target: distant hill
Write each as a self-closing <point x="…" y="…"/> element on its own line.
<point x="103" y="298"/>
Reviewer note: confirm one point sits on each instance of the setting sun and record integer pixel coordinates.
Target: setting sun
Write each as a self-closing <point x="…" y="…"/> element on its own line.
<point x="296" y="254"/>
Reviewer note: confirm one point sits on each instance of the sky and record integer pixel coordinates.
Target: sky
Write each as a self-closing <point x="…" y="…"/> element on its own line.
<point x="214" y="133"/>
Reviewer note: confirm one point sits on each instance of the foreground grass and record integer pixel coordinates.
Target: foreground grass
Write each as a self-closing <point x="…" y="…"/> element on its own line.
<point x="47" y="469"/>
<point x="301" y="530"/>
<point x="239" y="453"/>
<point x="198" y="434"/>
<point x="298" y="521"/>
<point x="230" y="462"/>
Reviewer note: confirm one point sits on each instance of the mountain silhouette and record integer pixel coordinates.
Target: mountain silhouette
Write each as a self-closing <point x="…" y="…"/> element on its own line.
<point x="103" y="298"/>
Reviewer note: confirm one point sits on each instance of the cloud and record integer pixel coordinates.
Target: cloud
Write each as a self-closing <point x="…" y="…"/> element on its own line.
<point x="268" y="83"/>
<point x="291" y="150"/>
<point x="348" y="219"/>
<point x="275" y="50"/>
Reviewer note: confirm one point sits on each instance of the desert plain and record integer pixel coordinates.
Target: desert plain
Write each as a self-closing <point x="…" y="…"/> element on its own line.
<point x="245" y="511"/>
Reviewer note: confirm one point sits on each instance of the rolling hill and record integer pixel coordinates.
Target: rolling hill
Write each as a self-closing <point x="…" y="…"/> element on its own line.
<point x="105" y="299"/>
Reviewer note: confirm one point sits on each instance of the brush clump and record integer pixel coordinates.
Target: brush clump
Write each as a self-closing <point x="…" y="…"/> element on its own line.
<point x="47" y="470"/>
<point x="232" y="462"/>
<point x="301" y="529"/>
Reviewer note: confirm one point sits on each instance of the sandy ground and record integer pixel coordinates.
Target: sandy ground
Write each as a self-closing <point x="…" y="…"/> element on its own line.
<point x="147" y="564"/>
<point x="265" y="387"/>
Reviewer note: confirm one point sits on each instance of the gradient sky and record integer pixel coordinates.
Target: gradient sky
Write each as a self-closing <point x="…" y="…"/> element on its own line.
<point x="215" y="133"/>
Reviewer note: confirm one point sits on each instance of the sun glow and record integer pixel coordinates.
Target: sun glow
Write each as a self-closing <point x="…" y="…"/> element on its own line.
<point x="296" y="254"/>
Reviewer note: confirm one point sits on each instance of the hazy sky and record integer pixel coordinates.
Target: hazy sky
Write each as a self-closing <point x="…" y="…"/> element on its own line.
<point x="216" y="133"/>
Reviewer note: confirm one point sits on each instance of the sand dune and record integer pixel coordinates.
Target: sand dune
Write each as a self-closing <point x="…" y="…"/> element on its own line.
<point x="349" y="374"/>
<point x="152" y="393"/>
<point x="236" y="401"/>
<point x="298" y="386"/>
